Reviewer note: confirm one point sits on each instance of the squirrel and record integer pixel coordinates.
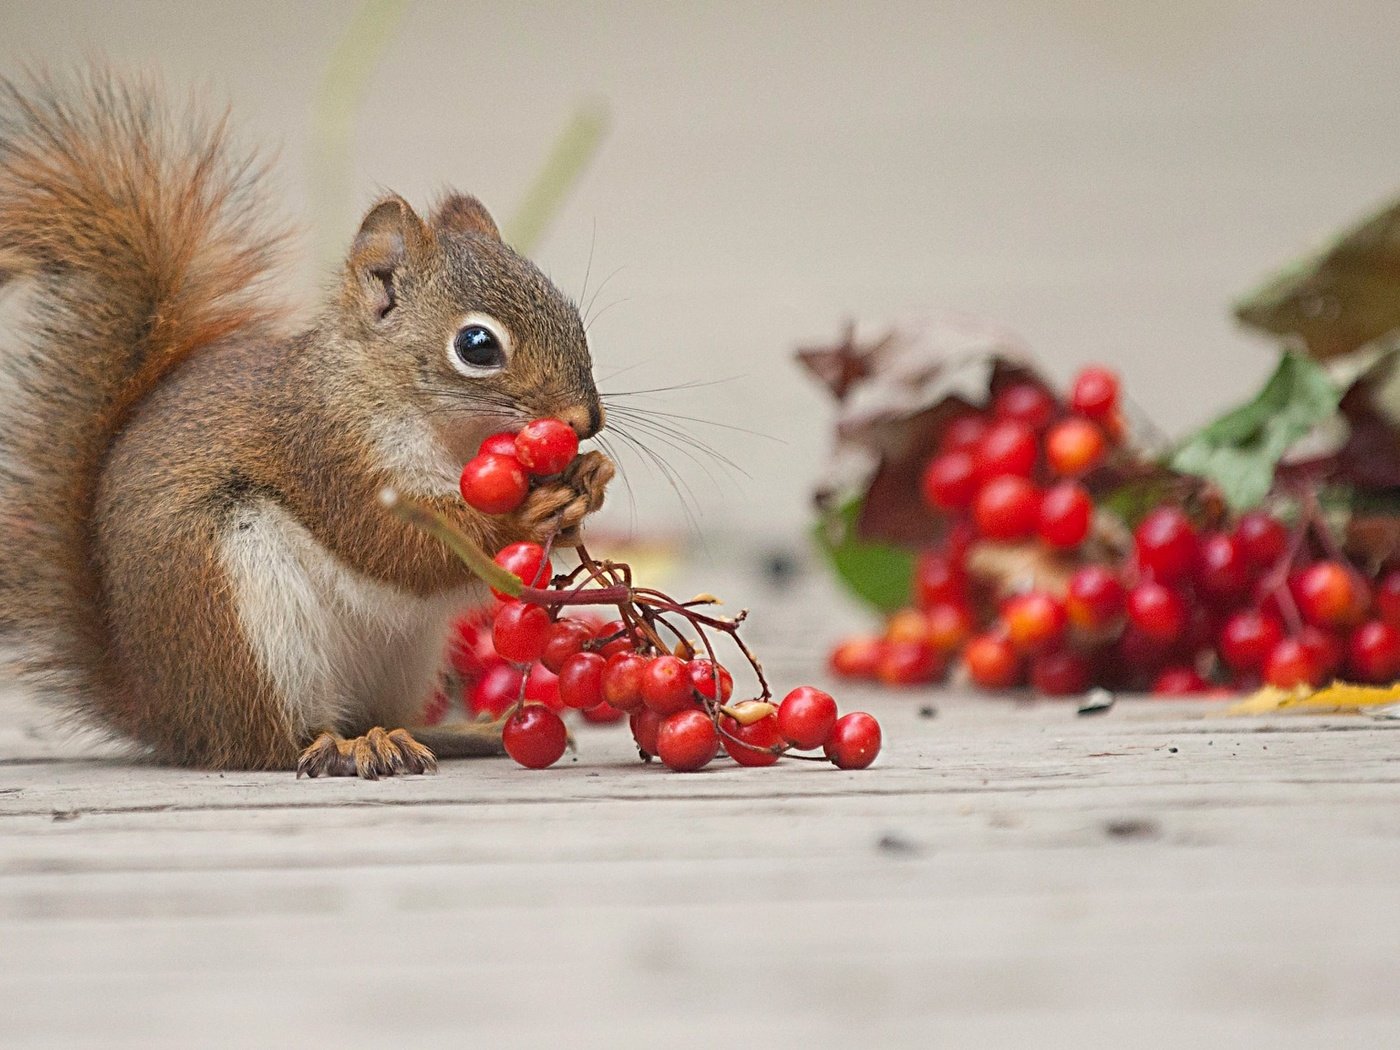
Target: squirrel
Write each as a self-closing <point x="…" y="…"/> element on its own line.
<point x="196" y="557"/>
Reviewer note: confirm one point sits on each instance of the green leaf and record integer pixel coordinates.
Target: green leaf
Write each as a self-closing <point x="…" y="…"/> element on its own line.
<point x="1239" y="451"/>
<point x="1340" y="298"/>
<point x="877" y="573"/>
<point x="1133" y="500"/>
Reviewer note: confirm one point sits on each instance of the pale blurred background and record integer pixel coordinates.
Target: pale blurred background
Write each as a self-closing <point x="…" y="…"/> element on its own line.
<point x="1103" y="178"/>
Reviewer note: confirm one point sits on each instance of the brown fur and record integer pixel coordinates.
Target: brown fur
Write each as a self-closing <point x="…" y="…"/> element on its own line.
<point x="157" y="403"/>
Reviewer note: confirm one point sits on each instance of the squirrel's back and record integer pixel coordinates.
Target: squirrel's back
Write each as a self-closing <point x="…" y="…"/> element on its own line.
<point x="143" y="234"/>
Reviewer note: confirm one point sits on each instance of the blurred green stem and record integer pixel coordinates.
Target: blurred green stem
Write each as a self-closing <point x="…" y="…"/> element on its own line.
<point x="338" y="101"/>
<point x="573" y="149"/>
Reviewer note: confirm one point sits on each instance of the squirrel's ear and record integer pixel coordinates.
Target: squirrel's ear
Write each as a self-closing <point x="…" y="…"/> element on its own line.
<point x="391" y="237"/>
<point x="459" y="213"/>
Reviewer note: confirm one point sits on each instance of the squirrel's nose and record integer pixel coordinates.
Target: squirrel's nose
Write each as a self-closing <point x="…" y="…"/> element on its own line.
<point x="586" y="420"/>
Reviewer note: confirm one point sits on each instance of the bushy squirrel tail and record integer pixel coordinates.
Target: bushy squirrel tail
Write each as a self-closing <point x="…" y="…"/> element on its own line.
<point x="140" y="232"/>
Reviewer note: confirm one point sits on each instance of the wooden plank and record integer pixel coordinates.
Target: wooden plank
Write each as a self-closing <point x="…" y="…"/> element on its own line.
<point x="1006" y="875"/>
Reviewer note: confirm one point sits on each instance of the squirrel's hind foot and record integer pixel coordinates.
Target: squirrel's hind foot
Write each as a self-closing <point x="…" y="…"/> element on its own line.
<point x="379" y="753"/>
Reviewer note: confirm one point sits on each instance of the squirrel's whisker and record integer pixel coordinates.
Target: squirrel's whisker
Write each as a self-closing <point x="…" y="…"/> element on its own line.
<point x="684" y="493"/>
<point x="588" y="267"/>
<point x="691" y="384"/>
<point x="679" y="440"/>
<point x="611" y="452"/>
<point x="651" y="412"/>
<point x="600" y="313"/>
<point x="597" y="292"/>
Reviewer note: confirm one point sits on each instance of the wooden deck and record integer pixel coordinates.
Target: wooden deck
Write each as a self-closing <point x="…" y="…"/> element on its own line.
<point x="1007" y="875"/>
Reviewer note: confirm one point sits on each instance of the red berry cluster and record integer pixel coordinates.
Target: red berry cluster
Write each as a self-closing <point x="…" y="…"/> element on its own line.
<point x="535" y="662"/>
<point x="497" y="480"/>
<point x="526" y="659"/>
<point x="1185" y="611"/>
<point x="1012" y="472"/>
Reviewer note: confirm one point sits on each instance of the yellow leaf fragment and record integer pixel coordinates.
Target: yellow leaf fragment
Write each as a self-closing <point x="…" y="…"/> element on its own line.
<point x="747" y="712"/>
<point x="1342" y="696"/>
<point x="1339" y="696"/>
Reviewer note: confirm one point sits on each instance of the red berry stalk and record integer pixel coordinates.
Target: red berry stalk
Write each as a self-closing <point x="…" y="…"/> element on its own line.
<point x="657" y="661"/>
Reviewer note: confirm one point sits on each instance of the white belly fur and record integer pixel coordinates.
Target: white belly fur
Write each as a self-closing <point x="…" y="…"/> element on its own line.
<point x="340" y="648"/>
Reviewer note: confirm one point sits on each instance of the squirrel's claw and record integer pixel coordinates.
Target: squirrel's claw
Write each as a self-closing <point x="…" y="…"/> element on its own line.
<point x="379" y="753"/>
<point x="559" y="508"/>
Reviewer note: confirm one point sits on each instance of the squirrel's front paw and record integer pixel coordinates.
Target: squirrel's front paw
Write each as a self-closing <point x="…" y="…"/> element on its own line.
<point x="379" y="753"/>
<point x="558" y="508"/>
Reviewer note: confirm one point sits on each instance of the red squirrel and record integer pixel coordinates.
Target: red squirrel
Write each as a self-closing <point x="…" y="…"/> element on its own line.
<point x="196" y="558"/>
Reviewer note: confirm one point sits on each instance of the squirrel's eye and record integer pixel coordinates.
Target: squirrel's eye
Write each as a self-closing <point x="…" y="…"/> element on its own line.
<point x="477" y="345"/>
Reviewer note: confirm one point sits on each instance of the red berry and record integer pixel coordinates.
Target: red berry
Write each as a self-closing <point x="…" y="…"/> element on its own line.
<point x="1007" y="508"/>
<point x="527" y="561"/>
<point x="1061" y="672"/>
<point x="992" y="662"/>
<point x="949" y="481"/>
<point x="535" y="737"/>
<point x="1166" y="544"/>
<point x="1179" y="681"/>
<point x="622" y="680"/>
<point x="948" y="626"/>
<point x="1292" y="663"/>
<point x="1035" y="621"/>
<point x="1009" y="447"/>
<point x="666" y="686"/>
<point x="908" y="663"/>
<point x="542" y="687"/>
<point x="1222" y="571"/>
<point x="1262" y="539"/>
<point x="494" y="484"/>
<point x="519" y="630"/>
<point x="906" y="625"/>
<point x="964" y="434"/>
<point x="471" y="650"/>
<point x="502" y="444"/>
<point x="686" y="741"/>
<point x="1247" y="639"/>
<point x="1025" y="403"/>
<point x="1074" y="447"/>
<point x="1374" y="652"/>
<point x="805" y="717"/>
<point x="1330" y="595"/>
<point x="603" y="714"/>
<point x="854" y="741"/>
<point x="1156" y="611"/>
<point x="856" y="657"/>
<point x="564" y="638"/>
<point x="1388" y="598"/>
<point x="1094" y="393"/>
<point x="581" y="680"/>
<point x="938" y="578"/>
<point x="496" y="690"/>
<point x="546" y="446"/>
<point x="1094" y="599"/>
<point x="704" y="675"/>
<point x="1066" y="512"/>
<point x="644" y="724"/>
<point x="1325" y="646"/>
<point x="618" y="635"/>
<point x="755" y="742"/>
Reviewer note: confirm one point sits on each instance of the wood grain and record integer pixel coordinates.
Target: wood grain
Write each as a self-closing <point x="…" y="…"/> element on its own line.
<point x="1006" y="875"/>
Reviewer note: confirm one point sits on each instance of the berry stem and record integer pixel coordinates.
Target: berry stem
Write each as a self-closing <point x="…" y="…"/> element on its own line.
<point x="485" y="569"/>
<point x="437" y="524"/>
